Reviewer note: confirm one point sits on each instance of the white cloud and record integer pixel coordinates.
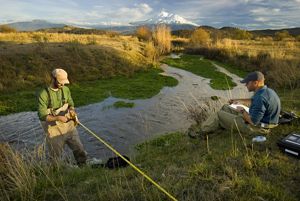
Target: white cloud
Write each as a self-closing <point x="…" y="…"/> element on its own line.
<point x="145" y="8"/>
<point x="261" y="19"/>
<point x="117" y="15"/>
<point x="133" y="13"/>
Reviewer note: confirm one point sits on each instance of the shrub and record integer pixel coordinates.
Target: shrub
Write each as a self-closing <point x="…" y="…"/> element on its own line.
<point x="199" y="38"/>
<point x="281" y="35"/>
<point x="239" y="34"/>
<point x="143" y="33"/>
<point x="7" y="29"/>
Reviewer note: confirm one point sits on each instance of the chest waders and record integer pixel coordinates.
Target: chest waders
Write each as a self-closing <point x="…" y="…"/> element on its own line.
<point x="58" y="133"/>
<point x="57" y="128"/>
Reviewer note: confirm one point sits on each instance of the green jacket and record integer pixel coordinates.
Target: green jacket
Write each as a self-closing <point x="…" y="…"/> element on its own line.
<point x="56" y="100"/>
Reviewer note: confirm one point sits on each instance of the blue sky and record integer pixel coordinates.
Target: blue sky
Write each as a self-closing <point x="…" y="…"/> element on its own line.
<point x="249" y="14"/>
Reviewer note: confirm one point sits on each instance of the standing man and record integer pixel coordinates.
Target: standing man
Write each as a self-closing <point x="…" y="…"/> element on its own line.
<point x="263" y="113"/>
<point x="56" y="112"/>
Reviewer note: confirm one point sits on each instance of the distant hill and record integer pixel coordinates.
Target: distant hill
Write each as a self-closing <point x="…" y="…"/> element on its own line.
<point x="231" y="31"/>
<point x="33" y="25"/>
<point x="271" y="32"/>
<point x="77" y="30"/>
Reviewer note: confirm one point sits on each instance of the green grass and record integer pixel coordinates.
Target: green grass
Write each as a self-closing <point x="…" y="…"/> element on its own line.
<point x="204" y="68"/>
<point x="233" y="69"/>
<point x="141" y="85"/>
<point x="121" y="104"/>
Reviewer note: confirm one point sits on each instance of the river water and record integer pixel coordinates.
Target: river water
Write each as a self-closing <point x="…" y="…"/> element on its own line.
<point x="125" y="127"/>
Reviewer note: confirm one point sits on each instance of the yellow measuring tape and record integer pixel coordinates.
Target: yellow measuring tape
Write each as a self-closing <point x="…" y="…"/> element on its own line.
<point x="131" y="164"/>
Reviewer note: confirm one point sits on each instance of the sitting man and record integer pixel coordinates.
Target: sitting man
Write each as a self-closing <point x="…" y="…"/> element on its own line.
<point x="263" y="112"/>
<point x="56" y="112"/>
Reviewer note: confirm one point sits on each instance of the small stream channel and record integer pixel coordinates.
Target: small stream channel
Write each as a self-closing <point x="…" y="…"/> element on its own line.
<point x="124" y="127"/>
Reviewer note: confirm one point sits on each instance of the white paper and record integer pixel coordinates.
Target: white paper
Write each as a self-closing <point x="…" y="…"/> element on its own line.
<point x="234" y="106"/>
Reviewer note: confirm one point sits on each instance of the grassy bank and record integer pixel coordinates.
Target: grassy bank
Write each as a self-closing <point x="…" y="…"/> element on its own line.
<point x="26" y="65"/>
<point x="141" y="85"/>
<point x="204" y="68"/>
<point x="226" y="166"/>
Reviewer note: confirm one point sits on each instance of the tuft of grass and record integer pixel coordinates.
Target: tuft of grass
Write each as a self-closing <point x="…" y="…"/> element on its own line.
<point x="204" y="68"/>
<point x="121" y="104"/>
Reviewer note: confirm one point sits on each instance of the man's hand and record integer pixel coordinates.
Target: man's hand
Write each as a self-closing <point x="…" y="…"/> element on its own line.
<point x="240" y="109"/>
<point x="72" y="112"/>
<point x="62" y="119"/>
<point x="232" y="101"/>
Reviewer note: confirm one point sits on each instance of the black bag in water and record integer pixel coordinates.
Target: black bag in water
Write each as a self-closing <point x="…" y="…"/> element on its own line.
<point x="116" y="162"/>
<point x="290" y="144"/>
<point x="287" y="117"/>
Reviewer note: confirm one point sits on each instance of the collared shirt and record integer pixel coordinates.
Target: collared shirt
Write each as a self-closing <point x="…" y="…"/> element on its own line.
<point x="56" y="100"/>
<point x="265" y="106"/>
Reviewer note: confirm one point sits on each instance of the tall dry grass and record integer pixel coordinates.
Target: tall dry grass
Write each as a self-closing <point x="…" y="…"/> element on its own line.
<point x="17" y="177"/>
<point x="34" y="37"/>
<point x="276" y="49"/>
<point x="162" y="38"/>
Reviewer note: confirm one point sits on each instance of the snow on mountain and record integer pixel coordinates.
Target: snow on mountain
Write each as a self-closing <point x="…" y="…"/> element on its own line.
<point x="165" y="18"/>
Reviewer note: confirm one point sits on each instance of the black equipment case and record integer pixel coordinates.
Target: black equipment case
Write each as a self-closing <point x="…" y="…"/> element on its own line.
<point x="290" y="144"/>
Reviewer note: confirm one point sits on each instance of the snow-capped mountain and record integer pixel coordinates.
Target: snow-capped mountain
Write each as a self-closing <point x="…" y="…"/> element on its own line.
<point x="165" y="18"/>
<point x="175" y="22"/>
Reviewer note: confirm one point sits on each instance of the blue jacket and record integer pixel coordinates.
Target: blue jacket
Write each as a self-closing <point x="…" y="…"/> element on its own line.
<point x="265" y="106"/>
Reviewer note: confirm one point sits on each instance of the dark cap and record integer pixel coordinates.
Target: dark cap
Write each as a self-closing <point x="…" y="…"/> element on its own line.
<point x="254" y="76"/>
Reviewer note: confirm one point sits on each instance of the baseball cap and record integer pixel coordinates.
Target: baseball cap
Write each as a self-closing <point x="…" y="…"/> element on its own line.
<point x="61" y="75"/>
<point x="254" y="76"/>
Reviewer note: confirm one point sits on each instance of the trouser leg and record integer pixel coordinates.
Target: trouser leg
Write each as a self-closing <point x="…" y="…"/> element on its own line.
<point x="231" y="119"/>
<point x="55" y="146"/>
<point x="210" y="124"/>
<point x="76" y="146"/>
